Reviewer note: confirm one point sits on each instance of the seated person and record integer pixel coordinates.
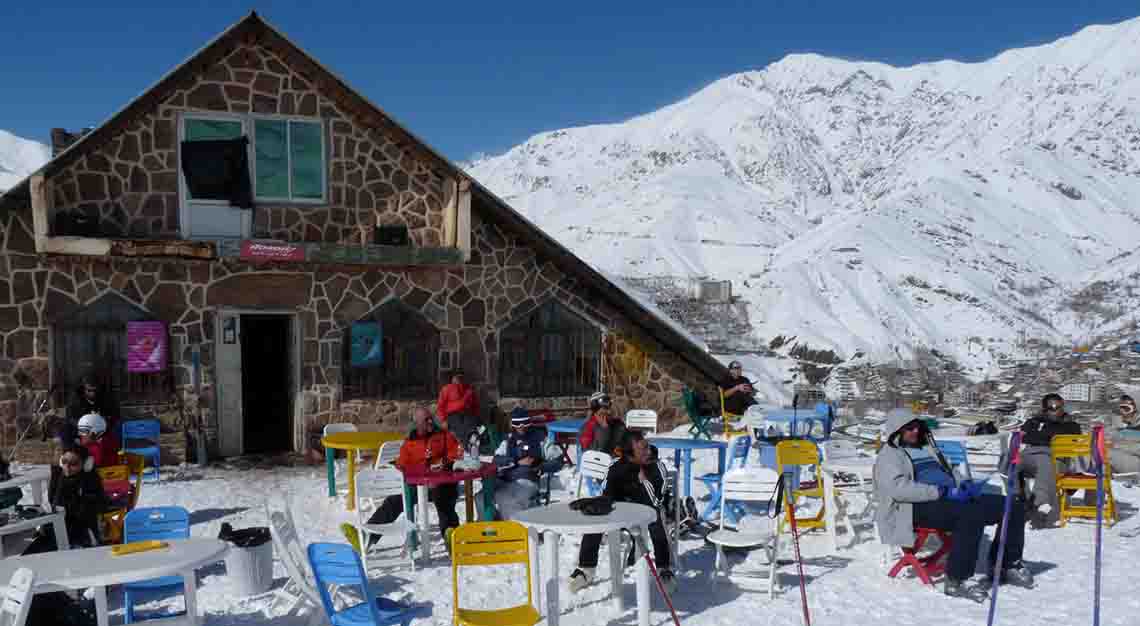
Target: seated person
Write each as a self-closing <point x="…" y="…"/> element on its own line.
<point x="636" y="478"/>
<point x="427" y="446"/>
<point x="1124" y="455"/>
<point x="101" y="444"/>
<point x="520" y="458"/>
<point x="1036" y="460"/>
<point x="737" y="390"/>
<point x="603" y="430"/>
<point x="915" y="488"/>
<point x="75" y="486"/>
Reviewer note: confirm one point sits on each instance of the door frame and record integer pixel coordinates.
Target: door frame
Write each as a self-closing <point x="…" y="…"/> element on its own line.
<point x="295" y="347"/>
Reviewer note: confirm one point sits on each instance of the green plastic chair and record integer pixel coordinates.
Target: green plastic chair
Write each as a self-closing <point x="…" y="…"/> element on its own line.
<point x="699" y="424"/>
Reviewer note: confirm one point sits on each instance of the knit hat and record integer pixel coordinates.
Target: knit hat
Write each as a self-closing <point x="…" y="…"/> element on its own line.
<point x="599" y="399"/>
<point x="519" y="417"/>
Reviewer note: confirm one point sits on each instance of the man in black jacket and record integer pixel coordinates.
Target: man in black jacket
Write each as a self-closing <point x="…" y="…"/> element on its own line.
<point x="1036" y="461"/>
<point x="76" y="488"/>
<point x="636" y="478"/>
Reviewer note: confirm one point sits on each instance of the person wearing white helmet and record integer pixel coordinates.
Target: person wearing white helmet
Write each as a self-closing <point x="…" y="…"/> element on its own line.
<point x="603" y="430"/>
<point x="100" y="443"/>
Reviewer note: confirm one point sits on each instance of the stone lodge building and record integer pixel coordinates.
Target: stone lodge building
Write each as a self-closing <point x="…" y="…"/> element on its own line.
<point x="271" y="218"/>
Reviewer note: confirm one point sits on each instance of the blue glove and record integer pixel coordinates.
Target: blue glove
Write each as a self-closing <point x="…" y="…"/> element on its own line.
<point x="974" y="488"/>
<point x="954" y="494"/>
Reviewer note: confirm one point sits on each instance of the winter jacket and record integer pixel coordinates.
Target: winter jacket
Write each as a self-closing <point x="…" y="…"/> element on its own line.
<point x="422" y="451"/>
<point x="82" y="499"/>
<point x="457" y="399"/>
<point x="104" y="451"/>
<point x="896" y="490"/>
<point x="517" y="446"/>
<point x="737" y="403"/>
<point x="603" y="437"/>
<point x="624" y="484"/>
<point x="1040" y="430"/>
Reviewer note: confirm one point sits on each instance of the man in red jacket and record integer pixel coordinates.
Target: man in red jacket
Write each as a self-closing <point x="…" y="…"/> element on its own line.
<point x="458" y="407"/>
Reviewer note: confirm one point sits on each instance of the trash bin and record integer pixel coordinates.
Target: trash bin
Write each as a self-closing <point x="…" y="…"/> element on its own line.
<point x="249" y="562"/>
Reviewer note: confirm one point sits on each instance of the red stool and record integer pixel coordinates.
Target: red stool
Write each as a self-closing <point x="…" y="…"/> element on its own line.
<point x="928" y="566"/>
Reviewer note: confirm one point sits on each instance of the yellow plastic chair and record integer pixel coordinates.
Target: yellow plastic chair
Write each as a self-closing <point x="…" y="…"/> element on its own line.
<point x="727" y="418"/>
<point x="492" y="543"/>
<point x="112" y="521"/>
<point x="1075" y="447"/>
<point x="799" y="453"/>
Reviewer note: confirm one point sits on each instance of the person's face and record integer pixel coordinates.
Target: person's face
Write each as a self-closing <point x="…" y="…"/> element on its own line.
<point x="457" y="379"/>
<point x="86" y="437"/>
<point x="521" y="428"/>
<point x="641" y="452"/>
<point x="423" y="421"/>
<point x="1127" y="409"/>
<point x="71" y="464"/>
<point x="1055" y="407"/>
<point x="910" y="433"/>
<point x="89" y="392"/>
<point x="736" y="371"/>
<point x="605" y="413"/>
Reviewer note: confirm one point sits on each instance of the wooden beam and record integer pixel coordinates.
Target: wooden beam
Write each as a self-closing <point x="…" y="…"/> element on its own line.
<point x="463" y="220"/>
<point x="40" y="189"/>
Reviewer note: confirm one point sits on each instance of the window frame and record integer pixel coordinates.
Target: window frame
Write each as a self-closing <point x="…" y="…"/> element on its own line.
<point x="534" y="339"/>
<point x="383" y="390"/>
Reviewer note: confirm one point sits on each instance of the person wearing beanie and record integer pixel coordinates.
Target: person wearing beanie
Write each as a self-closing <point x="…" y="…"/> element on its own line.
<point x="1037" y="459"/>
<point x="603" y="430"/>
<point x="915" y="487"/>
<point x="520" y="459"/>
<point x="737" y="390"/>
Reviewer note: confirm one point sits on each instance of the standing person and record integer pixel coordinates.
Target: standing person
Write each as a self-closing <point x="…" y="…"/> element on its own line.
<point x="89" y="398"/>
<point x="458" y="407"/>
<point x="427" y="447"/>
<point x="636" y="478"/>
<point x="913" y="488"/>
<point x="737" y="390"/>
<point x="76" y="488"/>
<point x="1036" y="460"/>
<point x="520" y="459"/>
<point x="603" y="430"/>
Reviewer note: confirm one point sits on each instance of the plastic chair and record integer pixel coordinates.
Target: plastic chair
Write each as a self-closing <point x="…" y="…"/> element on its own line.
<point x="338" y="564"/>
<point x="790" y="456"/>
<point x="642" y="419"/>
<point x="492" y="543"/>
<point x="301" y="586"/>
<point x="17" y="598"/>
<point x="166" y="522"/>
<point x="738" y="448"/>
<point x="388" y="453"/>
<point x="375" y="485"/>
<point x="1074" y="447"/>
<point x="726" y="418"/>
<point x="115" y="478"/>
<point x="698" y="424"/>
<point x="592" y="470"/>
<point x="144" y="430"/>
<point x="957" y="457"/>
<point x="752" y="484"/>
<point x="925" y="567"/>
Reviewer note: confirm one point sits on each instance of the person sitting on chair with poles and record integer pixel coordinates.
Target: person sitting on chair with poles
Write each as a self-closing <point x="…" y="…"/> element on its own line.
<point x="1037" y="458"/>
<point x="915" y="486"/>
<point x="636" y="478"/>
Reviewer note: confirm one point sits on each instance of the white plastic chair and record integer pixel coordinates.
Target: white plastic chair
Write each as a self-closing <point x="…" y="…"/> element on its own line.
<point x="389" y="452"/>
<point x="302" y="587"/>
<point x="18" y="598"/>
<point x="749" y="484"/>
<point x="375" y="485"/>
<point x="642" y="419"/>
<point x="595" y="466"/>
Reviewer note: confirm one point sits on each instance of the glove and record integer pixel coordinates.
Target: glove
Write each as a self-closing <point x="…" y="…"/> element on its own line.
<point x="954" y="494"/>
<point x="974" y="488"/>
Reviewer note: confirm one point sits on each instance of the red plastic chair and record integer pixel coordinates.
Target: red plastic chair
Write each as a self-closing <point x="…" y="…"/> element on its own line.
<point x="926" y="567"/>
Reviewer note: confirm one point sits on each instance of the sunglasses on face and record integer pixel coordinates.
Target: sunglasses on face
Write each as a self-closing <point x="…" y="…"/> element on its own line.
<point x="70" y="462"/>
<point x="912" y="426"/>
<point x="1127" y="408"/>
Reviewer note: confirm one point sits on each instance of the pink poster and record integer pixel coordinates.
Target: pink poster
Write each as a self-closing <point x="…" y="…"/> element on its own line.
<point x="146" y="347"/>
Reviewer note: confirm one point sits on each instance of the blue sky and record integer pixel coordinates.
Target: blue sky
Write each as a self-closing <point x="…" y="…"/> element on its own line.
<point x="483" y="76"/>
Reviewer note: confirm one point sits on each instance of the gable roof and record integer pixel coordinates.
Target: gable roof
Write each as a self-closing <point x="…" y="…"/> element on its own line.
<point x="252" y="29"/>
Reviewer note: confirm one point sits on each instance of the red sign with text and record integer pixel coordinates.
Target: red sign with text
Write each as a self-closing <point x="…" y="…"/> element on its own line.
<point x="258" y="251"/>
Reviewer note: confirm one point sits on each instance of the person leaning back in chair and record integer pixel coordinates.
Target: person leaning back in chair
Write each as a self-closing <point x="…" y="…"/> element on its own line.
<point x="636" y="478"/>
<point x="737" y="390"/>
<point x="603" y="431"/>
<point x="520" y="459"/>
<point x="915" y="487"/>
<point x="1037" y="460"/>
<point x="76" y="488"/>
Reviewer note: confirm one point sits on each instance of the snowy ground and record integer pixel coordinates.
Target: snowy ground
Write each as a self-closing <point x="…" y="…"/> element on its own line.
<point x="850" y="587"/>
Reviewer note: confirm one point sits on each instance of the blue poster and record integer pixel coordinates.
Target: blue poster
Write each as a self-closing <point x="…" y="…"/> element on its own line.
<point x="366" y="345"/>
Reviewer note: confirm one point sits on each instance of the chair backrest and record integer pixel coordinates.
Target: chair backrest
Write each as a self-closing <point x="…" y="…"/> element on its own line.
<point x="956" y="456"/>
<point x="17" y="598"/>
<point x="689" y="401"/>
<point x="488" y="543"/>
<point x="642" y="419"/>
<point x="748" y="484"/>
<point x="114" y="472"/>
<point x="722" y="411"/>
<point x="136" y="466"/>
<point x="595" y="464"/>
<point x="1076" y="446"/>
<point x="839" y="449"/>
<point x="389" y="452"/>
<point x="148" y="430"/>
<point x="738" y="448"/>
<point x="793" y="453"/>
<point x="339" y="427"/>
<point x="377" y="484"/>
<point x="288" y="546"/>
<point x="161" y="522"/>
<point x="338" y="564"/>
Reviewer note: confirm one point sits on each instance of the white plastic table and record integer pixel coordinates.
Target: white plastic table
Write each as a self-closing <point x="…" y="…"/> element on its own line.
<point x="55" y="519"/>
<point x="35" y="476"/>
<point x="863" y="467"/>
<point x="97" y="568"/>
<point x="559" y="519"/>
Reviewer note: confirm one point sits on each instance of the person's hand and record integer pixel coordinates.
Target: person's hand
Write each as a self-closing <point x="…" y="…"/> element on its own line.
<point x="973" y="487"/>
<point x="526" y="460"/>
<point x="954" y="494"/>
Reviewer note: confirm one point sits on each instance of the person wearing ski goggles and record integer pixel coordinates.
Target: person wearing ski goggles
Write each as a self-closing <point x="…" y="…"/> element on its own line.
<point x="916" y="487"/>
<point x="1037" y="461"/>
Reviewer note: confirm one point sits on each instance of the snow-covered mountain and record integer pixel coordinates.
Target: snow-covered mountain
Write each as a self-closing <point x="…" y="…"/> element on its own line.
<point x="863" y="207"/>
<point x="19" y="157"/>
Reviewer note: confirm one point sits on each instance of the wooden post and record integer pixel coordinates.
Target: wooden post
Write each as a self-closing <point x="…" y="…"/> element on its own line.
<point x="41" y="204"/>
<point x="463" y="220"/>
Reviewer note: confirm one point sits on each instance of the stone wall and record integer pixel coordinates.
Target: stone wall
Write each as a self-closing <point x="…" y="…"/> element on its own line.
<point x="130" y="185"/>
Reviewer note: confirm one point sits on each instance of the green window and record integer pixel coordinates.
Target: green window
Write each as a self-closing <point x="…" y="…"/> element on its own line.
<point x="289" y="159"/>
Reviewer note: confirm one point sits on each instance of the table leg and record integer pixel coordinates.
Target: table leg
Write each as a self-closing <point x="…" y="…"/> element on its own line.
<point x="488" y="499"/>
<point x="642" y="577"/>
<point x="535" y="568"/>
<point x="830" y="504"/>
<point x="469" y="500"/>
<point x="38" y="490"/>
<point x="425" y="539"/>
<point x="330" y="468"/>
<point x="101" y="617"/>
<point x="190" y="591"/>
<point x="688" y="472"/>
<point x="411" y="516"/>
<point x="351" y="504"/>
<point x="720" y="454"/>
<point x="553" y="610"/>
<point x="613" y="542"/>
<point x="676" y="523"/>
<point x="60" y="529"/>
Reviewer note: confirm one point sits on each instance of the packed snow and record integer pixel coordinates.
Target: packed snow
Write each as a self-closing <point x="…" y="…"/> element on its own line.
<point x="19" y="157"/>
<point x="848" y="587"/>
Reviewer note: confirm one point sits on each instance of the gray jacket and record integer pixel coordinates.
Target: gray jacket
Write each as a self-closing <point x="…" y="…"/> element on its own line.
<point x="895" y="488"/>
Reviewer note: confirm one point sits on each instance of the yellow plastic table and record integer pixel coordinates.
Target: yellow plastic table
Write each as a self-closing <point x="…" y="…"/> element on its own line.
<point x="352" y="442"/>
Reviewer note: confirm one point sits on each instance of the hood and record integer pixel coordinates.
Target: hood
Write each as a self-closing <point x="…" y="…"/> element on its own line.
<point x="896" y="419"/>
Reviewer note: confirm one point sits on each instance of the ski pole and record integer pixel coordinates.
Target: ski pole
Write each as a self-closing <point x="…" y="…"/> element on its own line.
<point x="1014" y="459"/>
<point x="1098" y="459"/>
<point x="799" y="561"/>
<point x="653" y="569"/>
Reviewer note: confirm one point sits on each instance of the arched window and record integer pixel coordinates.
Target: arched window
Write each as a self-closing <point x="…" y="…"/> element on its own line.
<point x="93" y="340"/>
<point x="551" y="351"/>
<point x="407" y="360"/>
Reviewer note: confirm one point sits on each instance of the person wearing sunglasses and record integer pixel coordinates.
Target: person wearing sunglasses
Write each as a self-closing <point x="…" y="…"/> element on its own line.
<point x="1125" y="449"/>
<point x="915" y="487"/>
<point x="1037" y="462"/>
<point x="76" y="488"/>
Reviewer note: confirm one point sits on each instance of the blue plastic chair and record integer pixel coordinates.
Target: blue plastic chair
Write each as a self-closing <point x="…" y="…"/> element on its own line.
<point x="338" y="564"/>
<point x="737" y="457"/>
<point x="955" y="453"/>
<point x="146" y="430"/>
<point x="164" y="522"/>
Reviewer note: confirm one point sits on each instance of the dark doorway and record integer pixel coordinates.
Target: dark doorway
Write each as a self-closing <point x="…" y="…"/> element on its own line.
<point x="267" y="403"/>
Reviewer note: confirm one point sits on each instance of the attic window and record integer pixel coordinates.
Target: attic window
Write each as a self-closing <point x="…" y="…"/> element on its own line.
<point x="218" y="169"/>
